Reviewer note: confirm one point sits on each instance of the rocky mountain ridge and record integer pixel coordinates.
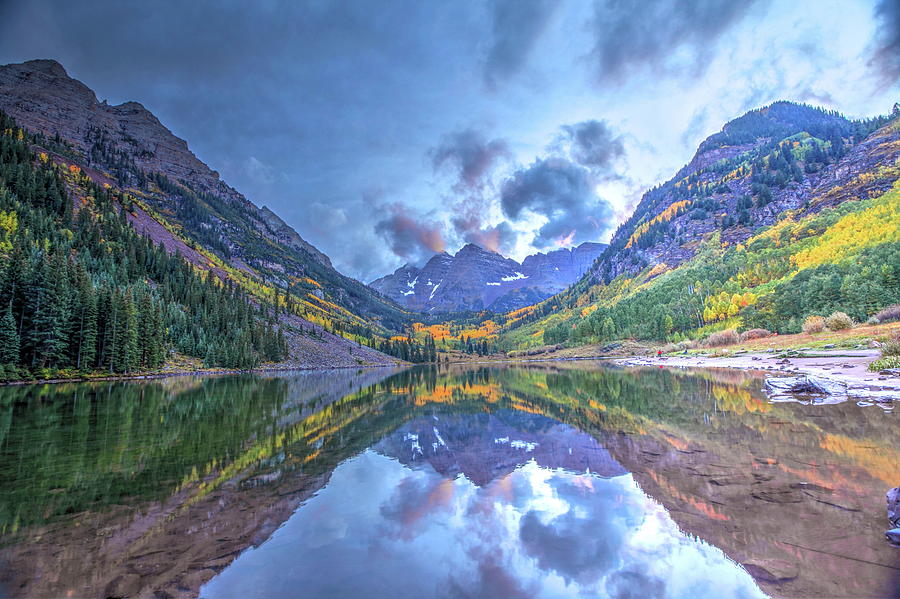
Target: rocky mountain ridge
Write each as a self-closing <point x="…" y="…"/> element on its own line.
<point x="478" y="279"/>
<point x="127" y="147"/>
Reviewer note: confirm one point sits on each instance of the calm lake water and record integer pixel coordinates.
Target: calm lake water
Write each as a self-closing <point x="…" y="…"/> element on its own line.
<point x="558" y="480"/>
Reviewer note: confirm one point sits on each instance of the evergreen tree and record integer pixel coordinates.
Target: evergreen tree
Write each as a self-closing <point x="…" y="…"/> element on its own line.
<point x="9" y="338"/>
<point x="44" y="328"/>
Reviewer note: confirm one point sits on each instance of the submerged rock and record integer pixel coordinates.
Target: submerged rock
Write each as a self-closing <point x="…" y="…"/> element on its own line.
<point x="822" y="390"/>
<point x="893" y="506"/>
<point x="893" y="535"/>
<point x="804" y="385"/>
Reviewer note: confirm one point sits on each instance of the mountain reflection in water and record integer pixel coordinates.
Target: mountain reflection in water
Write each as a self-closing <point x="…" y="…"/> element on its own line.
<point x="556" y="480"/>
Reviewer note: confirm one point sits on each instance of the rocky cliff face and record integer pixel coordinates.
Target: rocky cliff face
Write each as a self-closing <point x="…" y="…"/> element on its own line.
<point x="127" y="147"/>
<point x="41" y="96"/>
<point x="556" y="270"/>
<point x="478" y="279"/>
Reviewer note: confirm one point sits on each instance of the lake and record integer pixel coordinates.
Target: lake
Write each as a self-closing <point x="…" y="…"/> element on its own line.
<point x="575" y="479"/>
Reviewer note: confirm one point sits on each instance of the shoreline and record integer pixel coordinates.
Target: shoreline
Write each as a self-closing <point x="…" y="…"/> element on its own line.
<point x="846" y="367"/>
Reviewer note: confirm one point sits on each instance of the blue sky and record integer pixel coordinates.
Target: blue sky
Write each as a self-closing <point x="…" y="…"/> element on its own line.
<point x="383" y="131"/>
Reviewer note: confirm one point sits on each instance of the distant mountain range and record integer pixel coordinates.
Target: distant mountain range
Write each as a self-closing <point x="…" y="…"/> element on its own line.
<point x="127" y="147"/>
<point x="479" y="279"/>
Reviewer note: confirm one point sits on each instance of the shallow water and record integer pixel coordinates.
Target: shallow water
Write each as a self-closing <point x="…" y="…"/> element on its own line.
<point x="550" y="481"/>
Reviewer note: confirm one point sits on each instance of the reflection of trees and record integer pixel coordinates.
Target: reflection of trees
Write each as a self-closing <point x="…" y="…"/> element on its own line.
<point x="65" y="448"/>
<point x="73" y="445"/>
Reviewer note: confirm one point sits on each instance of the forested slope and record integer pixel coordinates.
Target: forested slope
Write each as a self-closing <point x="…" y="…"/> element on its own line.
<point x="80" y="289"/>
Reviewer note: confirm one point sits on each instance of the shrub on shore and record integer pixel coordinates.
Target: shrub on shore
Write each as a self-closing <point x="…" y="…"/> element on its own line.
<point x="885" y="363"/>
<point x="726" y="337"/>
<point x="890" y="355"/>
<point x="680" y="346"/>
<point x="755" y="334"/>
<point x="891" y="348"/>
<point x="889" y="314"/>
<point x="839" y="321"/>
<point x="11" y="372"/>
<point x="813" y="324"/>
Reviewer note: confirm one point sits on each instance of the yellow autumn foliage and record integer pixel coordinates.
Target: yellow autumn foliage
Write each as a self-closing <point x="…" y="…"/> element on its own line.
<point x="9" y="222"/>
<point x="855" y="231"/>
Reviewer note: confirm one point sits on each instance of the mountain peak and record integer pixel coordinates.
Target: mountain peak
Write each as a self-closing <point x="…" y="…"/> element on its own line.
<point x="776" y="121"/>
<point x="134" y="107"/>
<point x="440" y="257"/>
<point x="473" y="248"/>
<point x="45" y="65"/>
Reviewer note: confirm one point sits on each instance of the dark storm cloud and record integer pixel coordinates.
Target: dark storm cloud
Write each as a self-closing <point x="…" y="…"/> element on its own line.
<point x="634" y="585"/>
<point x="563" y="192"/>
<point x="516" y="27"/>
<point x="594" y="145"/>
<point x="470" y="156"/>
<point x="472" y="160"/>
<point x="635" y="33"/>
<point x="409" y="236"/>
<point x="886" y="54"/>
